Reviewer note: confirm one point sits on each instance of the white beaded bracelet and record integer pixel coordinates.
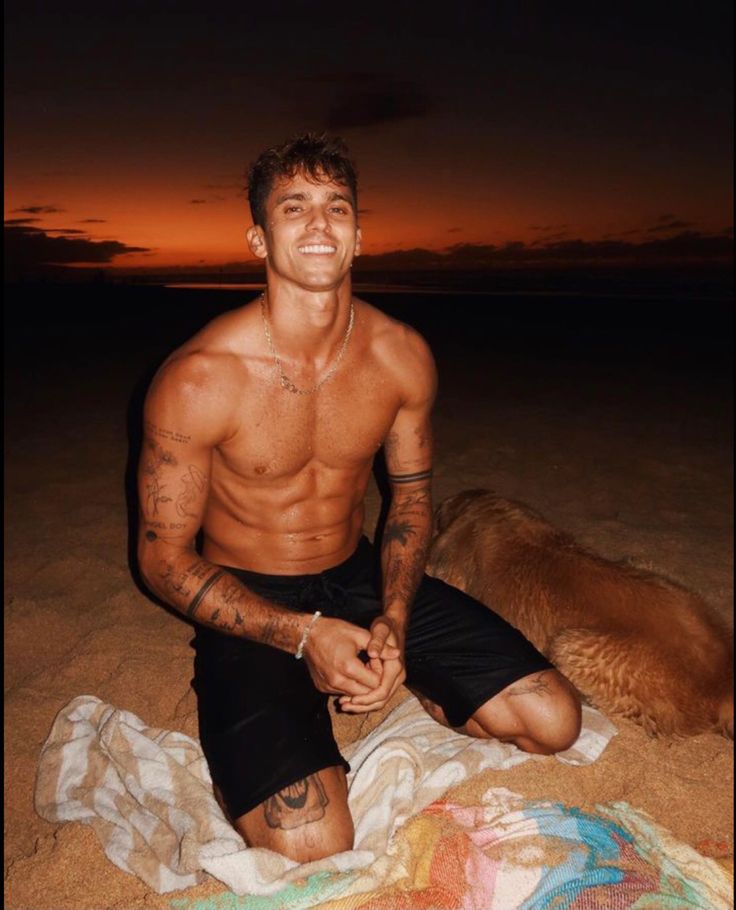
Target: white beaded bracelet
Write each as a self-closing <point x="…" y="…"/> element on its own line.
<point x="305" y="635"/>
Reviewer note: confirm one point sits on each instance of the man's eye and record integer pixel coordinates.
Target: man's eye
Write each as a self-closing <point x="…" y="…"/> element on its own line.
<point x="340" y="210"/>
<point x="293" y="208"/>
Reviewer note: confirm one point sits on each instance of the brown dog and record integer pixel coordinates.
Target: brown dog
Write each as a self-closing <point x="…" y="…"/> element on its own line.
<point x="632" y="642"/>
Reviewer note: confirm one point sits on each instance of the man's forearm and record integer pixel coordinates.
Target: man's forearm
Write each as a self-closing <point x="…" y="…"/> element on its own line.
<point x="404" y="548"/>
<point x="208" y="594"/>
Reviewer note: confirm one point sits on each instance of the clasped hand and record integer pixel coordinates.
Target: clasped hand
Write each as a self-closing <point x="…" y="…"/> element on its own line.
<point x="332" y="655"/>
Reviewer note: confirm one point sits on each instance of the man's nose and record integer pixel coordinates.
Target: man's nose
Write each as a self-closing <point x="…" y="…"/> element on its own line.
<point x="318" y="220"/>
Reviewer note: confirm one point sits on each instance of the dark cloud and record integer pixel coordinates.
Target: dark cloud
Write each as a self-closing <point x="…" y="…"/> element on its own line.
<point x="454" y="230"/>
<point x="29" y="247"/>
<point x="371" y="100"/>
<point x="671" y="226"/>
<point x="688" y="246"/>
<point x="64" y="231"/>
<point x="197" y="201"/>
<point x="549" y="238"/>
<point x="40" y="209"/>
<point x="93" y="221"/>
<point x="22" y="220"/>
<point x="547" y="227"/>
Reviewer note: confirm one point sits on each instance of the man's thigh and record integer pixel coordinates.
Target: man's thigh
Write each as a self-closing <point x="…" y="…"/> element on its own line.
<point x="262" y="723"/>
<point x="460" y="654"/>
<point x="305" y="821"/>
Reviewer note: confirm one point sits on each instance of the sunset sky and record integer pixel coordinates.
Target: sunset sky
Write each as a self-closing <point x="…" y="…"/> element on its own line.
<point x="503" y="125"/>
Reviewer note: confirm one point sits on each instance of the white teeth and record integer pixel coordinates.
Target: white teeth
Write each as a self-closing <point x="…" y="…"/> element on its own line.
<point x="317" y="248"/>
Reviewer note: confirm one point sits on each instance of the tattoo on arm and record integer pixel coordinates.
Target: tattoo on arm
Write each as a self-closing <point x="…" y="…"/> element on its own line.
<point x="197" y="600"/>
<point x="155" y="489"/>
<point x="298" y="804"/>
<point x="173" y="435"/>
<point x="194" y="481"/>
<point x="405" y="543"/>
<point x="410" y="478"/>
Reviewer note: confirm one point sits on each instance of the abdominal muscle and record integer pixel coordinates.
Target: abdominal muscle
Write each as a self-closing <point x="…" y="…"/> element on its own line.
<point x="302" y="526"/>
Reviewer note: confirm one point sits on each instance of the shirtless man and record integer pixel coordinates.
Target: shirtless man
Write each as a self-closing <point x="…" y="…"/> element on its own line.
<point x="261" y="431"/>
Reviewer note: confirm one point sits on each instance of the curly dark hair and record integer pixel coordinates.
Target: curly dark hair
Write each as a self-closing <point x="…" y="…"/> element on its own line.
<point x="317" y="155"/>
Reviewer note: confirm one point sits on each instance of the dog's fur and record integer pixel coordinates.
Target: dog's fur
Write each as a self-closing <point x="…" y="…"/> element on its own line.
<point x="632" y="642"/>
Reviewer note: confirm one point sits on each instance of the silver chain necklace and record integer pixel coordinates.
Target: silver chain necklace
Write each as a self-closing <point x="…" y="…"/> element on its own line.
<point x="286" y="383"/>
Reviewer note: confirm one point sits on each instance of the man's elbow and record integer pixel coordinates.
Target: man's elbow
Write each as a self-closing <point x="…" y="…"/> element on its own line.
<point x="149" y="564"/>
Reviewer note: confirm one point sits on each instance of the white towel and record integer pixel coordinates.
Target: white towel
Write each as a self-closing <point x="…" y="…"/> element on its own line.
<point x="148" y="794"/>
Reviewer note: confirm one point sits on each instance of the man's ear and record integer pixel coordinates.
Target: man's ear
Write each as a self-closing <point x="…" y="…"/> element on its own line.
<point x="257" y="241"/>
<point x="358" y="241"/>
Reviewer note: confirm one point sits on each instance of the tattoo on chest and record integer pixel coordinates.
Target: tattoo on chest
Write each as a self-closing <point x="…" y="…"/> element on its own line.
<point x="298" y="804"/>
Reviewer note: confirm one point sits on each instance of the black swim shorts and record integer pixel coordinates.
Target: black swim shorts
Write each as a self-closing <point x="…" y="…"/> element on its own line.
<point x="262" y="723"/>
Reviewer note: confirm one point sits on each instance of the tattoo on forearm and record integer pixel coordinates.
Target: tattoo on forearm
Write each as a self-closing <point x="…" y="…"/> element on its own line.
<point x="197" y="600"/>
<point x="418" y="498"/>
<point x="405" y="544"/>
<point x="174" y="582"/>
<point x="410" y="478"/>
<point x="404" y="577"/>
<point x="298" y="804"/>
<point x="399" y="531"/>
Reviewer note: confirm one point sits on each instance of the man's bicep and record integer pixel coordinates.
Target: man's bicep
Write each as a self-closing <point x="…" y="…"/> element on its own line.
<point x="173" y="476"/>
<point x="408" y="446"/>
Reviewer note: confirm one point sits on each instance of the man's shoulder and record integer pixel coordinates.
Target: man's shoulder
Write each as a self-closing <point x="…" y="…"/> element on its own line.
<point x="212" y="366"/>
<point x="401" y="351"/>
<point x="219" y="350"/>
<point x="390" y="335"/>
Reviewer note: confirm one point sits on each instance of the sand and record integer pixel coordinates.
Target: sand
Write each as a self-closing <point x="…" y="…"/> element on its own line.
<point x="631" y="456"/>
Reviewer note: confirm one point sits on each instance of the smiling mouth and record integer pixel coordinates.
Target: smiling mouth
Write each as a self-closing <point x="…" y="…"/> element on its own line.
<point x="317" y="249"/>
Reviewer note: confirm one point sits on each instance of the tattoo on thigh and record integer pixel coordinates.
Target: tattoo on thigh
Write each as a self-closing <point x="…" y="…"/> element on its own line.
<point x="534" y="685"/>
<point x="296" y="805"/>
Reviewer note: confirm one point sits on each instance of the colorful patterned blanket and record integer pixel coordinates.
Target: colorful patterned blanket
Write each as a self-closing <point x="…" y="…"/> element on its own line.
<point x="147" y="794"/>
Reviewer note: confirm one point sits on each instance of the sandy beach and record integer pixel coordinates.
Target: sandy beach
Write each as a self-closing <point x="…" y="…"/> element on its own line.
<point x="617" y="428"/>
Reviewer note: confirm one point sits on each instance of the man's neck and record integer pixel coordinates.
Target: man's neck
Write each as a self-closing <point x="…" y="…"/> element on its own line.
<point x="307" y="323"/>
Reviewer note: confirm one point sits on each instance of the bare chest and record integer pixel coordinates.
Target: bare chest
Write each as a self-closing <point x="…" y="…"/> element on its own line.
<point x="281" y="433"/>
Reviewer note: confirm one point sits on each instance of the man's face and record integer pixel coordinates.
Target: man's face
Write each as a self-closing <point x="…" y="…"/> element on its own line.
<point x="311" y="234"/>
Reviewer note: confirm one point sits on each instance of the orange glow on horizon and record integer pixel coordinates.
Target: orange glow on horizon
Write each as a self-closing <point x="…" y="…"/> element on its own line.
<point x="181" y="227"/>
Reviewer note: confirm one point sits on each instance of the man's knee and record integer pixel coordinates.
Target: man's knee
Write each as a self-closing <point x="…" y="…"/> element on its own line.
<point x="558" y="729"/>
<point x="306" y="846"/>
<point x="306" y="821"/>
<point x="539" y="713"/>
